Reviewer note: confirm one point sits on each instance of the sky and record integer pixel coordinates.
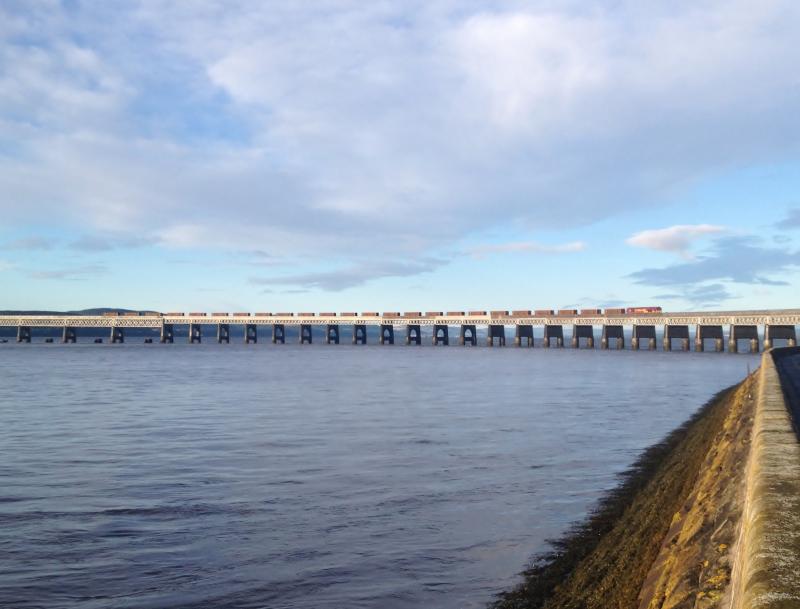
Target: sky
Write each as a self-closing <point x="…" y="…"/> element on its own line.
<point x="332" y="155"/>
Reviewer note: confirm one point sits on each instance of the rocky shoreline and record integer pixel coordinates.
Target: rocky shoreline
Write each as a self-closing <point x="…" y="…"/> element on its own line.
<point x="664" y="537"/>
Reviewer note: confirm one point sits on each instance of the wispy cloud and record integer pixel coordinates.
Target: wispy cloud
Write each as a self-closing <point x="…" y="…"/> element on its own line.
<point x="708" y="295"/>
<point x="792" y="220"/>
<point x="71" y="274"/>
<point x="341" y="279"/>
<point x="5" y="265"/>
<point x="96" y="243"/>
<point x="676" y="239"/>
<point x="527" y="247"/>
<point x="733" y="259"/>
<point x="28" y="243"/>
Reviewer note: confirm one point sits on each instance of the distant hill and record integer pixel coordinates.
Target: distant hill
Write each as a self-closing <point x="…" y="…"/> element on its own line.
<point x="97" y="311"/>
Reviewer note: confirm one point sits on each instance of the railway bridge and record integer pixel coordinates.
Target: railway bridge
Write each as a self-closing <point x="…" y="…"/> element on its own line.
<point x="677" y="329"/>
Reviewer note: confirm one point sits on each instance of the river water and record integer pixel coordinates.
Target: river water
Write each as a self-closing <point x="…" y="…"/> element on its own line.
<point x="154" y="476"/>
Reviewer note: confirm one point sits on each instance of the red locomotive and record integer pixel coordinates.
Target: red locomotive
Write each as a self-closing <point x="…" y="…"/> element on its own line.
<point x="640" y="310"/>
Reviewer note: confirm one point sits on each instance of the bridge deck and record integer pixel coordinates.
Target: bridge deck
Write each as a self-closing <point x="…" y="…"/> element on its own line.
<point x="755" y="318"/>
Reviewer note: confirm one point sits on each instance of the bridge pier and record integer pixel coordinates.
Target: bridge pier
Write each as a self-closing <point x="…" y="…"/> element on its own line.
<point x="23" y="334"/>
<point x="250" y="334"/>
<point x="468" y="334"/>
<point x="117" y="335"/>
<point x="386" y="337"/>
<point x="359" y="334"/>
<point x="615" y="332"/>
<point x="332" y="334"/>
<point x="773" y="333"/>
<point x="278" y="334"/>
<point x="707" y="332"/>
<point x="223" y="333"/>
<point x="305" y="334"/>
<point x="69" y="335"/>
<point x="641" y="333"/>
<point x="676" y="332"/>
<point x="743" y="332"/>
<point x="523" y="332"/>
<point x="167" y="334"/>
<point x="553" y="332"/>
<point x="584" y="331"/>
<point x="413" y="334"/>
<point x="195" y="334"/>
<point x="440" y="335"/>
<point x="497" y="331"/>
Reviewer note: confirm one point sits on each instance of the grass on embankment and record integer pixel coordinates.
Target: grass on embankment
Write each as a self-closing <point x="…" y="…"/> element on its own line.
<point x="602" y="562"/>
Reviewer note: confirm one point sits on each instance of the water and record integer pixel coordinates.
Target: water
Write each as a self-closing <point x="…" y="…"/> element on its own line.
<point x="150" y="476"/>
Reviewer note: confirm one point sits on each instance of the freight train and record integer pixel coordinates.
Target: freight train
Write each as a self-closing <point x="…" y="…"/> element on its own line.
<point x="417" y="314"/>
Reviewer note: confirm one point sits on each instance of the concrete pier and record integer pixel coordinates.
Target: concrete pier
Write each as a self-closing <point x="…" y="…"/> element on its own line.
<point x="250" y="334"/>
<point x="117" y="335"/>
<point x="496" y="331"/>
<point x="615" y="332"/>
<point x="551" y="332"/>
<point x="386" y="336"/>
<point x="413" y="334"/>
<point x="702" y="333"/>
<point x="359" y="334"/>
<point x="582" y="331"/>
<point x="23" y="334"/>
<point x="305" y="334"/>
<point x="641" y="333"/>
<point x="223" y="333"/>
<point x="775" y="332"/>
<point x="523" y="333"/>
<point x="278" y="334"/>
<point x="195" y="333"/>
<point x="332" y="334"/>
<point x="468" y="335"/>
<point x="440" y="335"/>
<point x="677" y="332"/>
<point x="69" y="335"/>
<point x="167" y="334"/>
<point x="742" y="332"/>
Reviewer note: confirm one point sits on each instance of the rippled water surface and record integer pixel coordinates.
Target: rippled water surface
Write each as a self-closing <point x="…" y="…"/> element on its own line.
<point x="316" y="476"/>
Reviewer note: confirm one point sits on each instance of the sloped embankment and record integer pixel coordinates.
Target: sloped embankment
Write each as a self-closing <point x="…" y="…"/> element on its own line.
<point x="662" y="539"/>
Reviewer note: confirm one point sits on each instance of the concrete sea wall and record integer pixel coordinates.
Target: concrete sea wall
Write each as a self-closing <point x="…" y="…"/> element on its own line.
<point x="767" y="570"/>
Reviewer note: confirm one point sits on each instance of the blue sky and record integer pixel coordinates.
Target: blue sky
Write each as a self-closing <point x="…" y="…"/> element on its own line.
<point x="337" y="155"/>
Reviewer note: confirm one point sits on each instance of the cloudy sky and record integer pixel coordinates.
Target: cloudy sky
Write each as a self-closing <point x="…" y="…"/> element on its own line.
<point x="339" y="154"/>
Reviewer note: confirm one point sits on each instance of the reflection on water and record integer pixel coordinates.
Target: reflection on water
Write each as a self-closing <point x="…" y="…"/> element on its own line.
<point x="324" y="476"/>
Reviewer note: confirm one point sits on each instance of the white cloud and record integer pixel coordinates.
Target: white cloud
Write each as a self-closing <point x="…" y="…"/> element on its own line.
<point x="677" y="239"/>
<point x="323" y="129"/>
<point x="530" y="247"/>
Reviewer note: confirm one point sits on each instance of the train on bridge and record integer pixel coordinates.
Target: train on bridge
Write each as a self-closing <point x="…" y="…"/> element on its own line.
<point x="617" y="325"/>
<point x="412" y="314"/>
